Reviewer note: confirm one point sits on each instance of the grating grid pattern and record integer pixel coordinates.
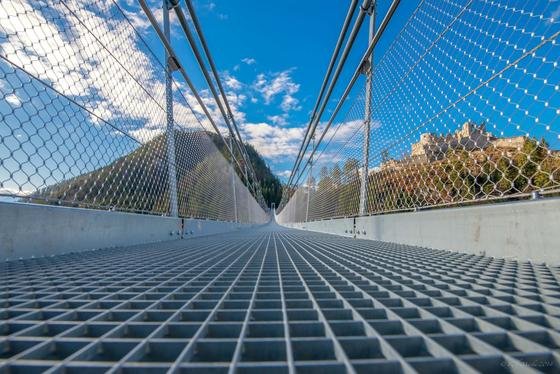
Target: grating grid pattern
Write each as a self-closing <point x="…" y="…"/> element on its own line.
<point x="278" y="300"/>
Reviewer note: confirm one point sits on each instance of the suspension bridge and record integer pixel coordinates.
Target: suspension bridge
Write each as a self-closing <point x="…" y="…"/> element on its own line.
<point x="418" y="230"/>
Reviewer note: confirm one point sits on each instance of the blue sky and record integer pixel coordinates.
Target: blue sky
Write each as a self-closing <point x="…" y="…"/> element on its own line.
<point x="290" y="43"/>
<point x="274" y="55"/>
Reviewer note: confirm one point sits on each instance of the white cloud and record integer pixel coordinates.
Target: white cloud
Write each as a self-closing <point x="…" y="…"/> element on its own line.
<point x="271" y="141"/>
<point x="344" y="140"/>
<point x="145" y="134"/>
<point x="279" y="120"/>
<point x="141" y="22"/>
<point x="236" y="101"/>
<point x="284" y="173"/>
<point x="270" y="86"/>
<point x="249" y="61"/>
<point x="232" y="82"/>
<point x="211" y="7"/>
<point x="79" y="67"/>
<point x="82" y="69"/>
<point x="327" y="159"/>
<point x="343" y="132"/>
<point x="14" y="191"/>
<point x="289" y="103"/>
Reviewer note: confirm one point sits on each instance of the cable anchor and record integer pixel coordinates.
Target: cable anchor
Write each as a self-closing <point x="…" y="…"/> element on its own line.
<point x="365" y="68"/>
<point x="368" y="9"/>
<point x="172" y="64"/>
<point x="171" y="4"/>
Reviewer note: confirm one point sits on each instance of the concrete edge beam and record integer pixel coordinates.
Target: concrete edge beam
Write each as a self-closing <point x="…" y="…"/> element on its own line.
<point x="201" y="227"/>
<point x="341" y="226"/>
<point x="28" y="230"/>
<point x="522" y="230"/>
<point x="35" y="230"/>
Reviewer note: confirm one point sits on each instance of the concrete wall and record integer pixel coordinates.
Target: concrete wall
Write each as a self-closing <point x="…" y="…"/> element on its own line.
<point x="28" y="230"/>
<point x="201" y="227"/>
<point x="40" y="230"/>
<point x="525" y="230"/>
<point x="340" y="226"/>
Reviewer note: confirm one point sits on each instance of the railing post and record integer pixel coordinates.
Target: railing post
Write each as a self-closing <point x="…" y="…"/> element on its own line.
<point x="170" y="136"/>
<point x="248" y="196"/>
<point x="233" y="183"/>
<point x="367" y="117"/>
<point x="309" y="178"/>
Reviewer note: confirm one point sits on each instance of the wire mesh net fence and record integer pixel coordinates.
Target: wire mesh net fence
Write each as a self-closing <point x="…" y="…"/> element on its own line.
<point x="83" y="119"/>
<point x="465" y="108"/>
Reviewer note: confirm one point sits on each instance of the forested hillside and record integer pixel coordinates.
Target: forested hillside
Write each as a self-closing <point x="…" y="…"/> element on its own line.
<point x="138" y="181"/>
<point x="460" y="176"/>
<point x="270" y="184"/>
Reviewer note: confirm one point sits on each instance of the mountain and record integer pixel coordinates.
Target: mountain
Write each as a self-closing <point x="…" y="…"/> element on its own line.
<point x="270" y="184"/>
<point x="138" y="180"/>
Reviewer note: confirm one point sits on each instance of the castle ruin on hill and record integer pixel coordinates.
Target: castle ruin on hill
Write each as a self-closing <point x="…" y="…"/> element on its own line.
<point x="470" y="137"/>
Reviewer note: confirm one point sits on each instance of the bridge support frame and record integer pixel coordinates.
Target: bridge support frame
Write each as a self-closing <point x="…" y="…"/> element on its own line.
<point x="170" y="135"/>
<point x="233" y="184"/>
<point x="309" y="180"/>
<point x="367" y="116"/>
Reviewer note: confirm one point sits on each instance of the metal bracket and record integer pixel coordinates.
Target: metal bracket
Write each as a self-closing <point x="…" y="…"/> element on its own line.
<point x="365" y="68"/>
<point x="369" y="10"/>
<point x="172" y="4"/>
<point x="172" y="63"/>
<point x="536" y="195"/>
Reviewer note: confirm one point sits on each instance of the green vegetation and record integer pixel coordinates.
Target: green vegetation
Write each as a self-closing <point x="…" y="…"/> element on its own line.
<point x="138" y="181"/>
<point x="461" y="176"/>
<point x="270" y="184"/>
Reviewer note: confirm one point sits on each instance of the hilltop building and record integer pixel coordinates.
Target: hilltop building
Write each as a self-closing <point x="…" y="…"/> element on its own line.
<point x="470" y="137"/>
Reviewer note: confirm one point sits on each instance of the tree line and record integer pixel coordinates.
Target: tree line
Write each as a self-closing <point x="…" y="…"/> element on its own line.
<point x="460" y="176"/>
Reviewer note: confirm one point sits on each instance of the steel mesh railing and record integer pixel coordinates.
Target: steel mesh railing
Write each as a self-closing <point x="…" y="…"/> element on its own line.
<point x="83" y="118"/>
<point x="465" y="109"/>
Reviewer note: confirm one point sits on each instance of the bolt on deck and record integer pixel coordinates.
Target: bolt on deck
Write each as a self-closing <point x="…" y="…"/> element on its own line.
<point x="278" y="300"/>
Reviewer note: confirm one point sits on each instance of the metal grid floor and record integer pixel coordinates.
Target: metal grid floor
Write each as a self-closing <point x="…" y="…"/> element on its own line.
<point x="279" y="301"/>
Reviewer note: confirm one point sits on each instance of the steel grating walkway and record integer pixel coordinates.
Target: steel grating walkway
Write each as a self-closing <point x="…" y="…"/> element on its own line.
<point x="275" y="300"/>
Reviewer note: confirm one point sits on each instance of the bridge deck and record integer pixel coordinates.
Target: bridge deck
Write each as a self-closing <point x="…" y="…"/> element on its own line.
<point x="278" y="300"/>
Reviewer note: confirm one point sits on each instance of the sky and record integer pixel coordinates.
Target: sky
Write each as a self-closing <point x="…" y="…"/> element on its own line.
<point x="90" y="78"/>
<point x="273" y="55"/>
<point x="61" y="89"/>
